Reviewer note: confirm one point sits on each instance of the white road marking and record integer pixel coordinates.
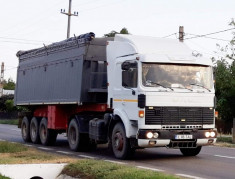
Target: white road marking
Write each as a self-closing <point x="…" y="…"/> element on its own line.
<point x="86" y="156"/>
<point x="18" y="130"/>
<point x="223" y="156"/>
<point x="44" y="148"/>
<point x="189" y="176"/>
<point x="147" y="168"/>
<point x="113" y="161"/>
<point x="221" y="147"/>
<point x="63" y="152"/>
<point x="28" y="145"/>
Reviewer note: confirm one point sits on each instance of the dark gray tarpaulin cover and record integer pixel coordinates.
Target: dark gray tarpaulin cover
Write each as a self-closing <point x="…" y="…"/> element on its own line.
<point x="70" y="71"/>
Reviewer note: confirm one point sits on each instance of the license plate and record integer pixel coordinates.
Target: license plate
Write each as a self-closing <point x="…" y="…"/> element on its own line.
<point x="183" y="136"/>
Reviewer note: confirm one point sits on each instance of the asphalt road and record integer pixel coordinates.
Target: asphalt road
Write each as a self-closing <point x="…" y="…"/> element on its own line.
<point x="212" y="162"/>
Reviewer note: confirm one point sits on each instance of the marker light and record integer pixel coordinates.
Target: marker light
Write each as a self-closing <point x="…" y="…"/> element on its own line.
<point x="149" y="135"/>
<point x="141" y="114"/>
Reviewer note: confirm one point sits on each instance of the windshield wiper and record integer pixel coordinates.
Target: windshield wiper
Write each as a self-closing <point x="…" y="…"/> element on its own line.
<point x="184" y="88"/>
<point x="194" y="84"/>
<point x="151" y="82"/>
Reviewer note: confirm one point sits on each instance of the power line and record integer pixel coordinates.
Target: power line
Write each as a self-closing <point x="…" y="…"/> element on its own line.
<point x="35" y="21"/>
<point x="97" y="7"/>
<point x="9" y="38"/>
<point x="169" y="35"/>
<point x="20" y="42"/>
<point x="208" y="52"/>
<point x="86" y="3"/>
<point x="197" y="36"/>
<point x="10" y="68"/>
<point x="210" y="37"/>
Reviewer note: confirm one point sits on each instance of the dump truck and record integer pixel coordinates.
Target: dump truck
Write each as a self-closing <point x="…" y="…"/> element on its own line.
<point x="130" y="92"/>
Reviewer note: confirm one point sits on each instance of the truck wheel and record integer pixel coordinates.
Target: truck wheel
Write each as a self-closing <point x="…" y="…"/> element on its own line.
<point x="47" y="136"/>
<point x="120" y="144"/>
<point x="34" y="130"/>
<point x="25" y="130"/>
<point x="74" y="137"/>
<point x="191" y="151"/>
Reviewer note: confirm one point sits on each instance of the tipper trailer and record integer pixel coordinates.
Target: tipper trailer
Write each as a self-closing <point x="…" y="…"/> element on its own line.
<point x="129" y="91"/>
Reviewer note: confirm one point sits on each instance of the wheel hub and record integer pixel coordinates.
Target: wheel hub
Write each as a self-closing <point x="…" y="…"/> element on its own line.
<point x="73" y="136"/>
<point x="118" y="141"/>
<point x="24" y="129"/>
<point x="43" y="132"/>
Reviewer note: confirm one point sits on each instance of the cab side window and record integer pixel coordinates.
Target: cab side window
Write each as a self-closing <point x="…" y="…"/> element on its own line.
<point x="129" y="74"/>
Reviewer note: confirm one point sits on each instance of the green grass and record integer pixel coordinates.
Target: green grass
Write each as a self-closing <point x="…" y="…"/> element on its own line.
<point x="98" y="169"/>
<point x="9" y="121"/>
<point x="14" y="153"/>
<point x="6" y="147"/>
<point x="224" y="139"/>
<point x="3" y="177"/>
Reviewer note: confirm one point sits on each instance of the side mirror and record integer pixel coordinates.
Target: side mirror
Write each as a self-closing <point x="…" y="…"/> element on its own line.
<point x="128" y="65"/>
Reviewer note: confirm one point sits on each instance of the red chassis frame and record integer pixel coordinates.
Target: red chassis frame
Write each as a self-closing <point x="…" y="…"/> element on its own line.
<point x="58" y="115"/>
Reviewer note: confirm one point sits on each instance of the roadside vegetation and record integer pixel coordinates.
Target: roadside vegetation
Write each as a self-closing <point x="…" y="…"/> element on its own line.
<point x="14" y="153"/>
<point x="101" y="169"/>
<point x="225" y="141"/>
<point x="9" y="121"/>
<point x="3" y="177"/>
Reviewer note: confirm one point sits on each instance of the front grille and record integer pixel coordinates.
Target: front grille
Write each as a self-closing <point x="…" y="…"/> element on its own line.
<point x="178" y="116"/>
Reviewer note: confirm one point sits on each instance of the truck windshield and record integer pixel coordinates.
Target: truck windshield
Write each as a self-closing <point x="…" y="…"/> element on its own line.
<point x="177" y="76"/>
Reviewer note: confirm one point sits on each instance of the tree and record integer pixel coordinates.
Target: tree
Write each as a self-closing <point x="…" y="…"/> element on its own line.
<point x="113" y="32"/>
<point x="225" y="81"/>
<point x="5" y="103"/>
<point x="9" y="85"/>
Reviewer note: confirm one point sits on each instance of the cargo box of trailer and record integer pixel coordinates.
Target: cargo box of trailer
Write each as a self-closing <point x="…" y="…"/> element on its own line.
<point x="68" y="72"/>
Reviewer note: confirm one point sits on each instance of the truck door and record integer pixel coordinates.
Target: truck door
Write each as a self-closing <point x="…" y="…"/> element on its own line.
<point x="129" y="70"/>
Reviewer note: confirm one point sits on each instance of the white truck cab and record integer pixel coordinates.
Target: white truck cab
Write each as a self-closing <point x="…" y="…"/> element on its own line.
<point x="162" y="91"/>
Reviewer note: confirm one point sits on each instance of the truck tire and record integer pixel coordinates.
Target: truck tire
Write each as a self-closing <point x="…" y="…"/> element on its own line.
<point x="47" y="136"/>
<point x="120" y="143"/>
<point x="25" y="130"/>
<point x="34" y="130"/>
<point x="191" y="151"/>
<point x="79" y="141"/>
<point x="74" y="137"/>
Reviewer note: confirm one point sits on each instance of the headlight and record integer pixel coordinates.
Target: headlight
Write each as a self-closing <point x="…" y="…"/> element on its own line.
<point x="207" y="134"/>
<point x="149" y="135"/>
<point x="212" y="134"/>
<point x="155" y="135"/>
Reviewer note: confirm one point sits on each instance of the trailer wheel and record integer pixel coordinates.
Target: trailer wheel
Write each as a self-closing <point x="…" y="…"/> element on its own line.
<point x="120" y="143"/>
<point x="34" y="130"/>
<point x="47" y="136"/>
<point x="191" y="151"/>
<point x="25" y="130"/>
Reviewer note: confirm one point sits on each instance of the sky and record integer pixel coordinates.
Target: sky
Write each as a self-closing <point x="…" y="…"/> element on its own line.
<point x="28" y="24"/>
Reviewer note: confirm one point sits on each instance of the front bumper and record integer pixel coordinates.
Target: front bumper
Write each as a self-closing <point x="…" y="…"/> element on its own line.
<point x="166" y="138"/>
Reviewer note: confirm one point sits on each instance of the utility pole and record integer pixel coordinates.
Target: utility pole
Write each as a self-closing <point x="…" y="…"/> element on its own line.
<point x="2" y="79"/>
<point x="181" y="33"/>
<point x="69" y="14"/>
<point x="2" y="72"/>
<point x="233" y="132"/>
